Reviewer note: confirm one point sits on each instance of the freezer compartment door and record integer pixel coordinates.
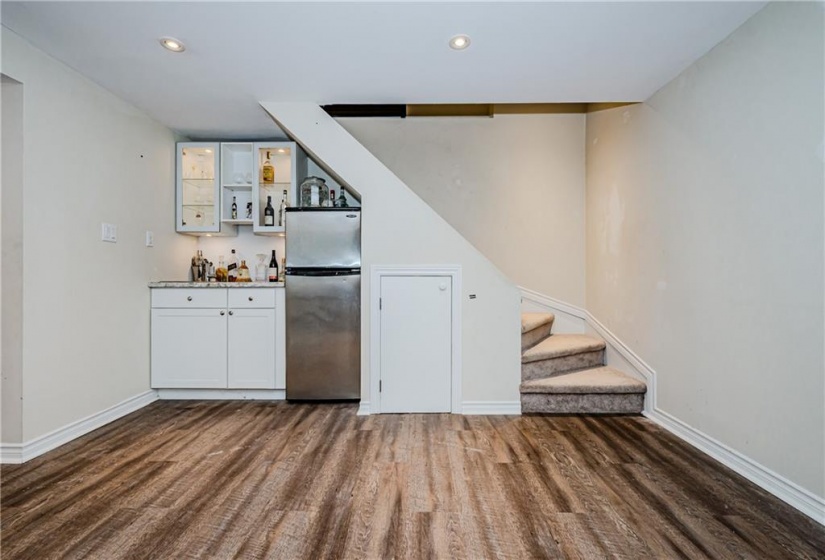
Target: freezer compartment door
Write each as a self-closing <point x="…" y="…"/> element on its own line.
<point x="323" y="337"/>
<point x="326" y="238"/>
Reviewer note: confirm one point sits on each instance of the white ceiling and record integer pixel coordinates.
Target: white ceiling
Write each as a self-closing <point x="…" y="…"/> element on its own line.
<point x="239" y="53"/>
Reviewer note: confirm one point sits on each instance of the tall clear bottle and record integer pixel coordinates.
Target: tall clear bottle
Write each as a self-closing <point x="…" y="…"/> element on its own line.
<point x="282" y="211"/>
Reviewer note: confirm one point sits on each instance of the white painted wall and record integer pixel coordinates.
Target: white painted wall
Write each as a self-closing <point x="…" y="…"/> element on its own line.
<point x="398" y="228"/>
<point x="11" y="276"/>
<point x="705" y="240"/>
<point x="512" y="185"/>
<point x="89" y="158"/>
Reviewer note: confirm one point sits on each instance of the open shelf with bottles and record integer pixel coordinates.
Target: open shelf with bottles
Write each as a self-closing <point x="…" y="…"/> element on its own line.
<point x="276" y="169"/>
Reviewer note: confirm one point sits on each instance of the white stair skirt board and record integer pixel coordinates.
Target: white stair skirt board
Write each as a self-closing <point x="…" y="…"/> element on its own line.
<point x="491" y="408"/>
<point x="620" y="356"/>
<point x="569" y="319"/>
<point x="22" y="452"/>
<point x="222" y="394"/>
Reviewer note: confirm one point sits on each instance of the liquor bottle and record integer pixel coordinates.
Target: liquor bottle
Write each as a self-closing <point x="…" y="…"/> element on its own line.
<point x="342" y="200"/>
<point x="268" y="170"/>
<point x="272" y="272"/>
<point x="331" y="202"/>
<point x="221" y="272"/>
<point x="232" y="267"/>
<point x="282" y="211"/>
<point x="243" y="273"/>
<point x="234" y="209"/>
<point x="269" y="213"/>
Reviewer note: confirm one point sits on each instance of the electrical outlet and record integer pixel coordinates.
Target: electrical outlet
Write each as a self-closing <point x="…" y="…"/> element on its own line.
<point x="150" y="239"/>
<point x="108" y="232"/>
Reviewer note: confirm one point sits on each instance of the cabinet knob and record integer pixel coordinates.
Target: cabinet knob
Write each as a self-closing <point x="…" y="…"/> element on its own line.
<point x="231" y="313"/>
<point x="223" y="313"/>
<point x="250" y="298"/>
<point x="188" y="298"/>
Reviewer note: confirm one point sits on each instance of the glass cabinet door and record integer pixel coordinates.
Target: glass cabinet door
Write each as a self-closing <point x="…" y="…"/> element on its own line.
<point x="197" y="187"/>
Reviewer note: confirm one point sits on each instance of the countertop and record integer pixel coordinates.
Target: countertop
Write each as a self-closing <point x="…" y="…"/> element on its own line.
<point x="177" y="284"/>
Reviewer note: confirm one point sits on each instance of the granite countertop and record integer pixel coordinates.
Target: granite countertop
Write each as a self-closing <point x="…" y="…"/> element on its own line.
<point x="182" y="284"/>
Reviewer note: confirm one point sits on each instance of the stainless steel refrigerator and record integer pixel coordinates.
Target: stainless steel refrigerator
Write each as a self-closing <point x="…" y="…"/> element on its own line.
<point x="323" y="303"/>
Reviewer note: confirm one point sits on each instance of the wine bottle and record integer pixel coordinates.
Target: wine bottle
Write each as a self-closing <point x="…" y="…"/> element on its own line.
<point x="272" y="272"/>
<point x="269" y="213"/>
<point x="234" y="209"/>
<point x="282" y="212"/>
<point x="268" y="170"/>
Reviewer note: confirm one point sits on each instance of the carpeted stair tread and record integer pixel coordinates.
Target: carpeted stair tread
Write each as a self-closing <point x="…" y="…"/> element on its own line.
<point x="530" y="321"/>
<point x="560" y="345"/>
<point x="599" y="380"/>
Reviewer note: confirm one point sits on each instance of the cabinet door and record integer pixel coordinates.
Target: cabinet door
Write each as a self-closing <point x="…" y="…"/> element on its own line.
<point x="189" y="348"/>
<point x="198" y="198"/>
<point x="251" y="349"/>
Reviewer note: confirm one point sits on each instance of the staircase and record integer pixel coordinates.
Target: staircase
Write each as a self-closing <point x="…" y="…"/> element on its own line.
<point x="565" y="373"/>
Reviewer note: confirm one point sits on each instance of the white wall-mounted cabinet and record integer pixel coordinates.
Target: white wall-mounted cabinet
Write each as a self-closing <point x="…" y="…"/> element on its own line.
<point x="218" y="338"/>
<point x="212" y="176"/>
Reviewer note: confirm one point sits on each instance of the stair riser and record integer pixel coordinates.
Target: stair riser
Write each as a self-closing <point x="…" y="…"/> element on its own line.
<point x="553" y="366"/>
<point x="588" y="403"/>
<point x="531" y="338"/>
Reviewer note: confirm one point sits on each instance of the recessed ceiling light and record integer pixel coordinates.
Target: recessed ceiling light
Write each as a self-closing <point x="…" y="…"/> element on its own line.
<point x="459" y="42"/>
<point x="172" y="44"/>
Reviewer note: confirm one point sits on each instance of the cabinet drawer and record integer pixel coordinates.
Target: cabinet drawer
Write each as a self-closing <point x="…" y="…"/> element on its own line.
<point x="251" y="297"/>
<point x="185" y="297"/>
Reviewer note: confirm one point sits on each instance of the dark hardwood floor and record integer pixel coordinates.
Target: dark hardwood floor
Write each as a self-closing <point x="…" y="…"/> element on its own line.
<point x="276" y="480"/>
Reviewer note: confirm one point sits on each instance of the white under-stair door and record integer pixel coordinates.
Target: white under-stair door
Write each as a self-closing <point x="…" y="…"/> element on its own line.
<point x="416" y="343"/>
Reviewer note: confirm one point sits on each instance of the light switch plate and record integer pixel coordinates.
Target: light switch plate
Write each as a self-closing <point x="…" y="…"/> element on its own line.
<point x="108" y="232"/>
<point x="150" y="239"/>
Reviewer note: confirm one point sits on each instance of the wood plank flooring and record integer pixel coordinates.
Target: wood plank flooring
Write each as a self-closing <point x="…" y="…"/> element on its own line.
<point x="185" y="479"/>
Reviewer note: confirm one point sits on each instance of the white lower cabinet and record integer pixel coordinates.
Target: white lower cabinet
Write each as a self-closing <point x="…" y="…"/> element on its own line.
<point x="235" y="343"/>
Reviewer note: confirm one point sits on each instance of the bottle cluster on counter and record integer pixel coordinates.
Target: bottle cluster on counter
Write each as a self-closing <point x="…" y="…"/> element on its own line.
<point x="236" y="269"/>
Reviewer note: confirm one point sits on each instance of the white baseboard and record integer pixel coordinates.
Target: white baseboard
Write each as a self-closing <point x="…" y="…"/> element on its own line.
<point x="808" y="503"/>
<point x="363" y="408"/>
<point x="20" y="453"/>
<point x="221" y="394"/>
<point x="619" y="355"/>
<point x="471" y="408"/>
